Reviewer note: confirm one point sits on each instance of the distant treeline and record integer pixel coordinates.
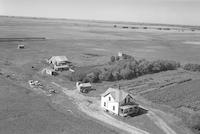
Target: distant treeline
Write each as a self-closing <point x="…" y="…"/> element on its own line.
<point x="157" y="28"/>
<point x="22" y="39"/>
<point x="125" y="67"/>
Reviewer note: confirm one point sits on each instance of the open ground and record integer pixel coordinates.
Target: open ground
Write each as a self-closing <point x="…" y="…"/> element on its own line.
<point x="88" y="43"/>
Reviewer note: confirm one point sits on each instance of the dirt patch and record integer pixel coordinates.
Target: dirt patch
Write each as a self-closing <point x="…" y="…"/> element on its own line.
<point x="92" y="55"/>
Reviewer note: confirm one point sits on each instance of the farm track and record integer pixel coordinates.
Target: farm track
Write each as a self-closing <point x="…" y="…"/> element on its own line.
<point x="160" y="123"/>
<point x="90" y="106"/>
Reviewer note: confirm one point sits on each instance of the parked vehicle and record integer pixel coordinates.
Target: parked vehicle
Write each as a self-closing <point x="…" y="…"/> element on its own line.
<point x="83" y="87"/>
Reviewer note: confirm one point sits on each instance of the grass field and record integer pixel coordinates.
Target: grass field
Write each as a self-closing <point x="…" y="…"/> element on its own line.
<point x="24" y="112"/>
<point x="85" y="43"/>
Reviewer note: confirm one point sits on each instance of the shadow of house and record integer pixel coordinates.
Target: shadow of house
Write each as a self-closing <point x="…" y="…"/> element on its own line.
<point x="141" y="111"/>
<point x="91" y="89"/>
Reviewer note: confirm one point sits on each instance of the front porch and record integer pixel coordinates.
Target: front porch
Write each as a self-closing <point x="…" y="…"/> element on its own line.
<point x="128" y="109"/>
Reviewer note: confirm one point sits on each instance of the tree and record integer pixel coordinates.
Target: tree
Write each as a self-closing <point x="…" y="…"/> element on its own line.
<point x="143" y="67"/>
<point x="116" y="75"/>
<point x="112" y="58"/>
<point x="127" y="74"/>
<point x="117" y="58"/>
<point x="106" y="76"/>
<point x="92" y="77"/>
<point x="156" y="67"/>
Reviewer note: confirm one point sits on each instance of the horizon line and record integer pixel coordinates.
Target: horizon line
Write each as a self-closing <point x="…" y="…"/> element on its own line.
<point x="96" y="20"/>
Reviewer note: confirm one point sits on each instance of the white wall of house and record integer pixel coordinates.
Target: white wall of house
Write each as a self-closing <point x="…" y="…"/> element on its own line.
<point x="110" y="104"/>
<point x="78" y="86"/>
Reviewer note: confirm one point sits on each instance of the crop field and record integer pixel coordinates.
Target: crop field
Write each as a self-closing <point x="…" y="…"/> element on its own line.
<point x="178" y="96"/>
<point x="88" y="43"/>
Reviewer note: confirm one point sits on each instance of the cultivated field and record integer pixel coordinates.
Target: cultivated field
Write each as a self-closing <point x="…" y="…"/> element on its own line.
<point x="90" y="43"/>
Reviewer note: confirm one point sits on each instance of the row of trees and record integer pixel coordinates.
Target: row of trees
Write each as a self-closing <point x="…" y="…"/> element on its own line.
<point x="126" y="68"/>
<point x="192" y="67"/>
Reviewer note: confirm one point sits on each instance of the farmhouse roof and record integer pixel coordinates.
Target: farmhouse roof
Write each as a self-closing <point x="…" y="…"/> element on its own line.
<point x="117" y="94"/>
<point x="60" y="58"/>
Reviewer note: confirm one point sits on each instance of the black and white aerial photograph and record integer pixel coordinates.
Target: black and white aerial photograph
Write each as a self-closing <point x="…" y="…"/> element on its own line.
<point x="99" y="66"/>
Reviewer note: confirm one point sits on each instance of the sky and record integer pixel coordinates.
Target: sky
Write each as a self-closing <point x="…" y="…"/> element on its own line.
<point x="185" y="12"/>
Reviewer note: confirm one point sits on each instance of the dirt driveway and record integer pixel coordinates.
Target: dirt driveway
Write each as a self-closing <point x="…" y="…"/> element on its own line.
<point x="91" y="107"/>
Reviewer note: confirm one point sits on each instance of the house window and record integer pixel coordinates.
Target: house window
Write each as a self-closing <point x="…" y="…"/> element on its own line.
<point x="104" y="104"/>
<point x="113" y="107"/>
<point x="109" y="98"/>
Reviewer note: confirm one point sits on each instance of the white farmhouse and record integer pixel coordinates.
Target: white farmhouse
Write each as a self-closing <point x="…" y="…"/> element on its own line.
<point x="118" y="102"/>
<point x="59" y="62"/>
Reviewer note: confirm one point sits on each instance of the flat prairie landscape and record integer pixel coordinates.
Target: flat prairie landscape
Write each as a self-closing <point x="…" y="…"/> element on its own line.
<point x="89" y="43"/>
